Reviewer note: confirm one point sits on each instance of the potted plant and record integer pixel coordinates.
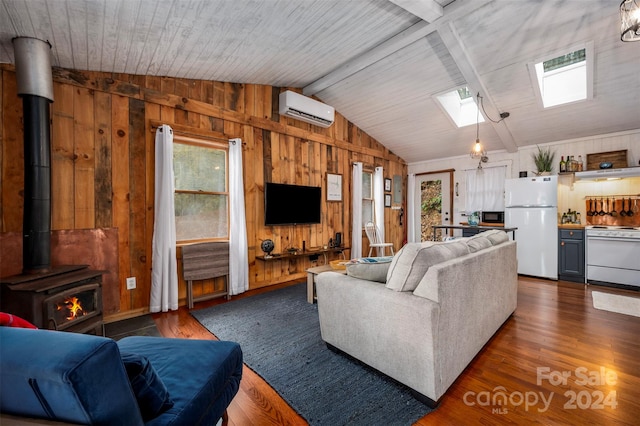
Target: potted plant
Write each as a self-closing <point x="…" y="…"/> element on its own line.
<point x="544" y="161"/>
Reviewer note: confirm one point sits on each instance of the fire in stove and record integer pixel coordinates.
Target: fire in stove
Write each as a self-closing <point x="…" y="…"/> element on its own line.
<point x="73" y="308"/>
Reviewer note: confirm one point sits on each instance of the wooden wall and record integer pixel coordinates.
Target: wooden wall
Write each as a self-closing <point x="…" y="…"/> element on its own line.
<point x="103" y="164"/>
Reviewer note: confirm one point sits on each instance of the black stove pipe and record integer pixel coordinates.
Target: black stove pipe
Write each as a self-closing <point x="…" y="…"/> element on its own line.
<point x="36" y="227"/>
<point x="35" y="87"/>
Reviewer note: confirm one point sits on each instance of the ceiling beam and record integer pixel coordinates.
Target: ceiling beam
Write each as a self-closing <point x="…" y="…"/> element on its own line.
<point x="381" y="51"/>
<point x="458" y="52"/>
<point x="427" y="10"/>
<point x="415" y="32"/>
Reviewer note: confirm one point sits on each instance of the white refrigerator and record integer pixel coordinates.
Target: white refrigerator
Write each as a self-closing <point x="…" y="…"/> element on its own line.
<point x="531" y="205"/>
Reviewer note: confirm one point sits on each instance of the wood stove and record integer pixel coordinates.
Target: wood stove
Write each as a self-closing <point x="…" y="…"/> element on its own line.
<point x="68" y="298"/>
<point x="59" y="298"/>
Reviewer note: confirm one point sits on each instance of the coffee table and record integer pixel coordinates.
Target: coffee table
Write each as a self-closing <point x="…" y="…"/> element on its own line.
<point x="311" y="279"/>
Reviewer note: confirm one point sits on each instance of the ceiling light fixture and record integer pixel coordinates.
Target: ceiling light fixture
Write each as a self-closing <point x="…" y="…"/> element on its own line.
<point x="630" y="20"/>
<point x="478" y="151"/>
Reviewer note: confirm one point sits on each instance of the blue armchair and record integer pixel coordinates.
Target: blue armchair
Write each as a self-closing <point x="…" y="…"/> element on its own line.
<point x="86" y="379"/>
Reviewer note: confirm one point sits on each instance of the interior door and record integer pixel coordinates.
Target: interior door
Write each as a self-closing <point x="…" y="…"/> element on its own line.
<point x="433" y="203"/>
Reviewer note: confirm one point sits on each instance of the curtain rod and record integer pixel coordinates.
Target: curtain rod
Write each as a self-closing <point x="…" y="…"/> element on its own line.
<point x="187" y="133"/>
<point x="484" y="168"/>
<point x="181" y="138"/>
<point x="365" y="166"/>
<point x="204" y="140"/>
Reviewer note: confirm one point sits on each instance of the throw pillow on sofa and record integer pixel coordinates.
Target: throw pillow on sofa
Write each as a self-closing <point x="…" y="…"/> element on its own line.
<point x="486" y="239"/>
<point x="478" y="242"/>
<point x="151" y="393"/>
<point x="496" y="236"/>
<point x="9" y="320"/>
<point x="370" y="268"/>
<point x="414" y="259"/>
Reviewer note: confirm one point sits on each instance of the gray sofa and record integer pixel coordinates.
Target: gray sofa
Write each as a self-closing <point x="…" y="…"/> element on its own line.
<point x="438" y="306"/>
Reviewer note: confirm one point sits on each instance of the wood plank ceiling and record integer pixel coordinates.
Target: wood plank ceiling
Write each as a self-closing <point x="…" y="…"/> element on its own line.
<point x="380" y="63"/>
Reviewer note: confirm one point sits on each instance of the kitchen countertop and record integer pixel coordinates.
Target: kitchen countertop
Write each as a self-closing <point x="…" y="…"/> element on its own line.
<point x="570" y="226"/>
<point x="497" y="225"/>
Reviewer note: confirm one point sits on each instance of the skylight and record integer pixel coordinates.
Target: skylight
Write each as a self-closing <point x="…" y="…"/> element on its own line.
<point x="461" y="107"/>
<point x="565" y="78"/>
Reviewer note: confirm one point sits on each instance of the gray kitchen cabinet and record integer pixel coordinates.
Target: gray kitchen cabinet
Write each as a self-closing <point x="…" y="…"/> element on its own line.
<point x="571" y="255"/>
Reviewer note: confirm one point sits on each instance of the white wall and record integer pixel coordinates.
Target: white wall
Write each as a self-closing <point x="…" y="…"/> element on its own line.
<point x="570" y="195"/>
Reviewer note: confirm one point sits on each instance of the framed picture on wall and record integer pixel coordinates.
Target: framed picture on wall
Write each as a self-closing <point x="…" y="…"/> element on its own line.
<point x="387" y="185"/>
<point x="387" y="200"/>
<point x="334" y="187"/>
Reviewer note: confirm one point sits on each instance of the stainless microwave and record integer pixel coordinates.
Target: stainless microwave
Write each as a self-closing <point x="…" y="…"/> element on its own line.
<point x="493" y="217"/>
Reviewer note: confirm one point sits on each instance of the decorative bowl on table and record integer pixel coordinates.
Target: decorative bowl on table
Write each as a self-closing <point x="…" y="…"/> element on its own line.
<point x="606" y="165"/>
<point x="473" y="219"/>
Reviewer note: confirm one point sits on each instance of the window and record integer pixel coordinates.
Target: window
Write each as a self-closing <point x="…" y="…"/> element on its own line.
<point x="485" y="189"/>
<point x="460" y="106"/>
<point x="367" y="197"/>
<point x="201" y="191"/>
<point x="564" y="78"/>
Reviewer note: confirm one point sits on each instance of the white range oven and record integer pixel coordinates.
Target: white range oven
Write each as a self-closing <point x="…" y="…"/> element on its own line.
<point x="613" y="255"/>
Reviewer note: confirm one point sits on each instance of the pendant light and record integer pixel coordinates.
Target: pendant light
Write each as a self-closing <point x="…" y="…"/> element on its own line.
<point x="630" y="20"/>
<point x="477" y="151"/>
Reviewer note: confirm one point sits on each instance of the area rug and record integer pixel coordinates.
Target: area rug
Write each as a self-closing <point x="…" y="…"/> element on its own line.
<point x="279" y="333"/>
<point x="627" y="305"/>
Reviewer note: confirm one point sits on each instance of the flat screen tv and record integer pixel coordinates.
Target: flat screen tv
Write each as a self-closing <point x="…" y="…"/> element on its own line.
<point x="291" y="204"/>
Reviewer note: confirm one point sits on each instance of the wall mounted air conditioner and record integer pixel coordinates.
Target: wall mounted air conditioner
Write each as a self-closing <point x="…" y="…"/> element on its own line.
<point x="305" y="109"/>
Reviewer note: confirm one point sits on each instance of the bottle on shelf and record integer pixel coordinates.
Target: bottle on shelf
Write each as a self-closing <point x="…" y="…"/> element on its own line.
<point x="571" y="216"/>
<point x="563" y="165"/>
<point x="580" y="165"/>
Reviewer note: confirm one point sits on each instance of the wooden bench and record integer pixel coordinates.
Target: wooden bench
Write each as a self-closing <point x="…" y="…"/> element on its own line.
<point x="203" y="261"/>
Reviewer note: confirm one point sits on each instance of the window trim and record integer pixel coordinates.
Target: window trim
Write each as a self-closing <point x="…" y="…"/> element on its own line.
<point x="205" y="142"/>
<point x="589" y="68"/>
<point x="477" y="116"/>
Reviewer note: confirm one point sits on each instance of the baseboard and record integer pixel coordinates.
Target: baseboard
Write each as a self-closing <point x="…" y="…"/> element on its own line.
<point x="119" y="316"/>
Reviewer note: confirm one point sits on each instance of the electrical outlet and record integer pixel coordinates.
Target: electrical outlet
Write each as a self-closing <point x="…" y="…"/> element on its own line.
<point x="131" y="283"/>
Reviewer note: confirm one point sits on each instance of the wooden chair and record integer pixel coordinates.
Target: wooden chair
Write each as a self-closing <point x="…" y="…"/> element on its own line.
<point x="204" y="261"/>
<point x="376" y="240"/>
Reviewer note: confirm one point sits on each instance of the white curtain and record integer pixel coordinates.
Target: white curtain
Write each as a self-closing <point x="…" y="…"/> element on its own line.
<point x="238" y="254"/>
<point x="356" y="211"/>
<point x="485" y="189"/>
<point x="411" y="207"/>
<point x="164" y="269"/>
<point x="378" y="202"/>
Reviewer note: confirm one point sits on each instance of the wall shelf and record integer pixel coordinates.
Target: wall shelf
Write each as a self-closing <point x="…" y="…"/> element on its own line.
<point x="301" y="253"/>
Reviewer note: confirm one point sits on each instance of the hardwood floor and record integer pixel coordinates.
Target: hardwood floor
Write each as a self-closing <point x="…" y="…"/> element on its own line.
<point x="556" y="361"/>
